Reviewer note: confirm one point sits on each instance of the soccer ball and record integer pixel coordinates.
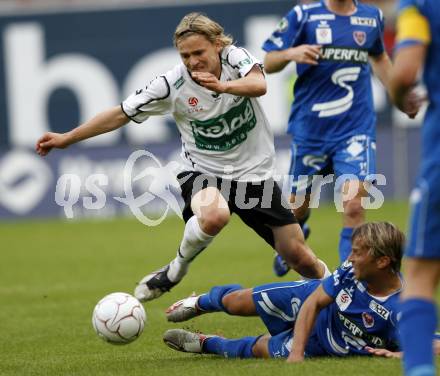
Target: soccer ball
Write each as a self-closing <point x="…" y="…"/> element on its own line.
<point x="119" y="318"/>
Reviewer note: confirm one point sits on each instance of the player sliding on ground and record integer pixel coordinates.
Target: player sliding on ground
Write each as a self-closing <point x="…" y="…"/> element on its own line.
<point x="227" y="149"/>
<point x="352" y="312"/>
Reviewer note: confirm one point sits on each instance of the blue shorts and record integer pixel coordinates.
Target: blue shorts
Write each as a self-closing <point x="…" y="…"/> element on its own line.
<point x="278" y="304"/>
<point x="424" y="234"/>
<point x="355" y="156"/>
<point x="281" y="345"/>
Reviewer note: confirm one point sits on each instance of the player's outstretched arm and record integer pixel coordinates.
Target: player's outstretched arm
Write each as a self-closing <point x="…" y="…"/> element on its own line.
<point x="275" y="61"/>
<point x="252" y="85"/>
<point x="318" y="300"/>
<point x="104" y="122"/>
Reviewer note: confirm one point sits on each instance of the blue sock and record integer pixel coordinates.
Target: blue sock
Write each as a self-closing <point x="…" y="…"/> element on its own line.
<point x="345" y="243"/>
<point x="417" y="328"/>
<point x="230" y="348"/>
<point x="212" y="301"/>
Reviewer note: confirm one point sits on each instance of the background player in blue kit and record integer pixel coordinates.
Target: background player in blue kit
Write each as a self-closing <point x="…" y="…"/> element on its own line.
<point x="418" y="36"/>
<point x="332" y="120"/>
<point x="354" y="309"/>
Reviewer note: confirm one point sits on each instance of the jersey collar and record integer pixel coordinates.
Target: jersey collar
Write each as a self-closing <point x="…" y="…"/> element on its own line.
<point x="356" y="2"/>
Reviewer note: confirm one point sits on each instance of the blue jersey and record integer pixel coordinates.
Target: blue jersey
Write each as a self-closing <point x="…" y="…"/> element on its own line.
<point x="333" y="100"/>
<point x="356" y="319"/>
<point x="419" y="22"/>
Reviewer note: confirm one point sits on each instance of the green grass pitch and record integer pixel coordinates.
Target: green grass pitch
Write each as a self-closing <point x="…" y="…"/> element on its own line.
<point x="52" y="273"/>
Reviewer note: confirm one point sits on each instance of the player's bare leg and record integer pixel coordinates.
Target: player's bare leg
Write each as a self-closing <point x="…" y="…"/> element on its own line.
<point x="211" y="214"/>
<point x="240" y="303"/>
<point x="354" y="214"/>
<point x="231" y="299"/>
<point x="291" y="246"/>
<point x="300" y="206"/>
<point x="261" y="347"/>
<point x="352" y="193"/>
<point x="301" y="211"/>
<point x="422" y="278"/>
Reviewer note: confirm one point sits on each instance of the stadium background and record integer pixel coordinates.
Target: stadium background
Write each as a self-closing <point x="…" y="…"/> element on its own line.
<point x="64" y="61"/>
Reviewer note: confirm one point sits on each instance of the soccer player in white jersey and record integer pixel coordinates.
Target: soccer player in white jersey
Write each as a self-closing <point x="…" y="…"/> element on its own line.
<point x="212" y="96"/>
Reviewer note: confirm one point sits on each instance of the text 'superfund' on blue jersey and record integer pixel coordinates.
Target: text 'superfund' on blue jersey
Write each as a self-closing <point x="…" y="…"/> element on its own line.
<point x="333" y="100"/>
<point x="356" y="319"/>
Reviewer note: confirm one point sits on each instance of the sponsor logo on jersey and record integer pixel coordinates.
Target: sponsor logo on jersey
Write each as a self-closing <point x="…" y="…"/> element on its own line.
<point x="283" y="25"/>
<point x="179" y="82"/>
<point x="310" y="6"/>
<point x="358" y="333"/>
<point x="271" y="309"/>
<point x="343" y="300"/>
<point x="355" y="149"/>
<point x="340" y="77"/>
<point x="368" y="320"/>
<point x="363" y="21"/>
<point x="323" y="33"/>
<point x="379" y="309"/>
<point x="315" y="161"/>
<point x="244" y="62"/>
<point x="193" y="101"/>
<point x="319" y="17"/>
<point x="345" y="54"/>
<point x="225" y="131"/>
<point x="360" y="37"/>
<point x="216" y="96"/>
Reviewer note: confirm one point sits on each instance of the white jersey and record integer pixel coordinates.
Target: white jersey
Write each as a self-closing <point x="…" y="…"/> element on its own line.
<point x="222" y="134"/>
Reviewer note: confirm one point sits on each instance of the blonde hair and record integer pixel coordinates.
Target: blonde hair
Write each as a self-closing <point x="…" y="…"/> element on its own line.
<point x="198" y="23"/>
<point x="383" y="239"/>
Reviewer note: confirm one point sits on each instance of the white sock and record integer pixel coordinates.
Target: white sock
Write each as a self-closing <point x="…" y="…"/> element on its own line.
<point x="193" y="242"/>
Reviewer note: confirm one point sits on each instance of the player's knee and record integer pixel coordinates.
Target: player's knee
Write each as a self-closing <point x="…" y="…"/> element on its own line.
<point x="233" y="302"/>
<point x="229" y="302"/>
<point x="215" y="220"/>
<point x="261" y="347"/>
